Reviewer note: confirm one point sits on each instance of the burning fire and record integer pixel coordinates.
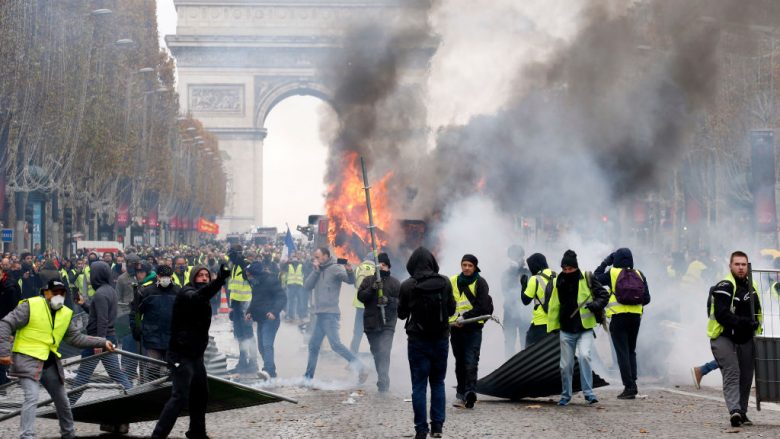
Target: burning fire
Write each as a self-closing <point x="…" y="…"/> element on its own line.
<point x="347" y="214"/>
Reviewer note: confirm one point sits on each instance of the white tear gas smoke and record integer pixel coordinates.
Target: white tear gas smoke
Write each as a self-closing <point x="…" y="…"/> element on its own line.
<point x="600" y="117"/>
<point x="597" y="119"/>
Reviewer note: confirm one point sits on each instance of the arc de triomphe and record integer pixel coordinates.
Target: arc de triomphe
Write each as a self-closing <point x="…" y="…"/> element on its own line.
<point x="236" y="59"/>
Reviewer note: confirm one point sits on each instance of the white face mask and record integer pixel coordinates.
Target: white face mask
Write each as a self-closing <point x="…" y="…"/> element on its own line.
<point x="56" y="302"/>
<point x="165" y="281"/>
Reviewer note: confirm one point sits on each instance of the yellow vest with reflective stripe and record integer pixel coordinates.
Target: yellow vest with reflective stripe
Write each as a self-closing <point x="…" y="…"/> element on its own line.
<point x="462" y="303"/>
<point x="535" y="289"/>
<point x="239" y="288"/>
<point x="84" y="285"/>
<point x="714" y="328"/>
<point x="554" y="309"/>
<point x="40" y="336"/>
<point x="615" y="307"/>
<point x="295" y="275"/>
<point x="185" y="279"/>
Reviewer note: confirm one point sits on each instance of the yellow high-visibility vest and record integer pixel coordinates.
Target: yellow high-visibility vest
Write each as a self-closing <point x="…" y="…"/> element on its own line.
<point x="239" y="288"/>
<point x="587" y="317"/>
<point x="615" y="307"/>
<point x="714" y="328"/>
<point x="41" y="336"/>
<point x="462" y="303"/>
<point x="295" y="275"/>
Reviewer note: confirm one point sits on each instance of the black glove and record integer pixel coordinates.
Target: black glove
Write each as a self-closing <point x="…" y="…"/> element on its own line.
<point x="593" y="307"/>
<point x="224" y="272"/>
<point x="609" y="260"/>
<point x="754" y="325"/>
<point x="524" y="281"/>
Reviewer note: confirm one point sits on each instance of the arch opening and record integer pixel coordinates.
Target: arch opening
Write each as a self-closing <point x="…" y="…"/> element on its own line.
<point x="294" y="160"/>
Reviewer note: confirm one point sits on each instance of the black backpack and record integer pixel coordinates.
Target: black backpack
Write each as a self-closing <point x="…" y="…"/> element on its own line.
<point x="428" y="312"/>
<point x="548" y="288"/>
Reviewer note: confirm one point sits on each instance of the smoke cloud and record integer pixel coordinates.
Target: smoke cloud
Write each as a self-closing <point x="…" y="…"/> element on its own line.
<point x="567" y="110"/>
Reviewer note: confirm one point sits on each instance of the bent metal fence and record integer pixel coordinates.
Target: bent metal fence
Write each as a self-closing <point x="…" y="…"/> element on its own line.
<point x="767" y="345"/>
<point x="118" y="388"/>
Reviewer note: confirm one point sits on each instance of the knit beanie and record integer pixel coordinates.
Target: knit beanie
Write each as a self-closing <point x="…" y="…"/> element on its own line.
<point x="569" y="259"/>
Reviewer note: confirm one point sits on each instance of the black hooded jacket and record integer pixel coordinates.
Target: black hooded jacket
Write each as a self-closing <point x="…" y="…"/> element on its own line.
<point x="267" y="295"/>
<point x="621" y="258"/>
<point x="372" y="317"/>
<point x="10" y="294"/>
<point x="191" y="318"/>
<point x="424" y="272"/>
<point x="103" y="304"/>
<point x="154" y="308"/>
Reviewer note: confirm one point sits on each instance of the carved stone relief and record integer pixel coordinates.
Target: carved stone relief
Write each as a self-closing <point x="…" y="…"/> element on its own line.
<point x="216" y="98"/>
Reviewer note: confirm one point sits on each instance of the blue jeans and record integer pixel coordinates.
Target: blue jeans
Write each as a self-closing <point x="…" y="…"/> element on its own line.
<point x="266" y="334"/>
<point x="428" y="364"/>
<point x="130" y="365"/>
<point x="296" y="309"/>
<point x="87" y="367"/>
<point x="709" y="367"/>
<point x="583" y="342"/>
<point x="357" y="331"/>
<point x="327" y="325"/>
<point x="3" y="374"/>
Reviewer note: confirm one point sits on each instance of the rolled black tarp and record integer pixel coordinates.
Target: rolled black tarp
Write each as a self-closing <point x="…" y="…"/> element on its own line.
<point x="532" y="373"/>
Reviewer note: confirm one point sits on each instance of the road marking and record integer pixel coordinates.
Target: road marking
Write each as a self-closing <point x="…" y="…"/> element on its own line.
<point x="764" y="405"/>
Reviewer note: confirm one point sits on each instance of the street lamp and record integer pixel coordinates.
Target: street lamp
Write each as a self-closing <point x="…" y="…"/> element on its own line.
<point x="101" y="12"/>
<point x="124" y="42"/>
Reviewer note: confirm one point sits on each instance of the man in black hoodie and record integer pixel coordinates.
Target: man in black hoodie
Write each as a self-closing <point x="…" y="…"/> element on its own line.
<point x="426" y="302"/>
<point x="735" y="317"/>
<point x="380" y="333"/>
<point x="190" y="325"/>
<point x="624" y="325"/>
<point x="268" y="301"/>
<point x="574" y="305"/>
<point x="102" y="311"/>
<point x="472" y="298"/>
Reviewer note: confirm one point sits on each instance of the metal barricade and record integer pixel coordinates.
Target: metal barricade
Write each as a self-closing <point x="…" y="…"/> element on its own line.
<point x="87" y="379"/>
<point x="767" y="346"/>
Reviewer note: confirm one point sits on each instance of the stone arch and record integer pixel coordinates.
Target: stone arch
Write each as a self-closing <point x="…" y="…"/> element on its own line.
<point x="267" y="99"/>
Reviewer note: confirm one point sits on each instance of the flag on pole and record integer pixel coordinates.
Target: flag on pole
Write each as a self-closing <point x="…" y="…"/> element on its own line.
<point x="288" y="241"/>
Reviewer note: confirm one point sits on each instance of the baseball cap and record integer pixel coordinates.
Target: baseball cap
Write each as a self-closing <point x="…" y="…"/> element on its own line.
<point x="55" y="285"/>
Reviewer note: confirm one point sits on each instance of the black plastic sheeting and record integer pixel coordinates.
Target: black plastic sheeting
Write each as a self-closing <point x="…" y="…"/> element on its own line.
<point x="147" y="404"/>
<point x="532" y="373"/>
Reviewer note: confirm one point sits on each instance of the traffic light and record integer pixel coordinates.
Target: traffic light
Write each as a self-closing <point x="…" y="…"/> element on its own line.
<point x="28" y="213"/>
<point x="67" y="220"/>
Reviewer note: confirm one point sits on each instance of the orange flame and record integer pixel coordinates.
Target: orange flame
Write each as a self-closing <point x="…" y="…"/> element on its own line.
<point x="348" y="215"/>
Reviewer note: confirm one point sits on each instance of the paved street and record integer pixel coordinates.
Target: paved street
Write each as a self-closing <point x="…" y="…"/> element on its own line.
<point x="323" y="413"/>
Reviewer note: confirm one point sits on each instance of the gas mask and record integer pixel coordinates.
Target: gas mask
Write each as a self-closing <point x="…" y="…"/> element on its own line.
<point x="164" y="282"/>
<point x="56" y="302"/>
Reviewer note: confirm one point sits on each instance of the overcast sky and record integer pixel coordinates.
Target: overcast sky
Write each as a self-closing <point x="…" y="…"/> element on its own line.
<point x="294" y="156"/>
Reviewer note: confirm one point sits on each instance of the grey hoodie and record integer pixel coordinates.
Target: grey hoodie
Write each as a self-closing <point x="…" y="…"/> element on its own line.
<point x="103" y="306"/>
<point x="326" y="284"/>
